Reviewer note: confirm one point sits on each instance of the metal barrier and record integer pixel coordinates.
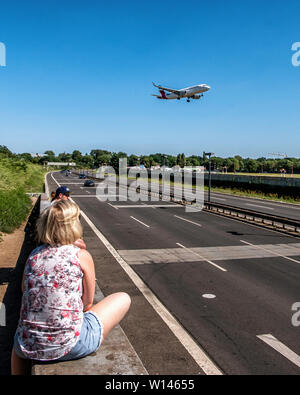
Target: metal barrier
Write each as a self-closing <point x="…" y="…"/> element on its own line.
<point x="283" y="223"/>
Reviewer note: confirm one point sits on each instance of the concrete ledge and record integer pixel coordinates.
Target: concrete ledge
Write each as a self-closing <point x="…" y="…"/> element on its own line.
<point x="44" y="202"/>
<point x="115" y="356"/>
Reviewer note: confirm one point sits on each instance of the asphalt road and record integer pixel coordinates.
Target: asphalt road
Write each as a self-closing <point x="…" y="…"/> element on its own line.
<point x="231" y="285"/>
<point x="265" y="206"/>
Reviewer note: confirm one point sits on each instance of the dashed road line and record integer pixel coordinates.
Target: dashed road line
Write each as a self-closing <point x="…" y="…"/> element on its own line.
<point x="256" y="205"/>
<point x="112" y="205"/>
<point x="270" y="251"/>
<point x="147" y="226"/>
<point x="187" y="220"/>
<point x="202" y="258"/>
<point x="281" y="348"/>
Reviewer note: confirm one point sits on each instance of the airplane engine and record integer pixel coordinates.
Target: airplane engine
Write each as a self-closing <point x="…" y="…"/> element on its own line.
<point x="196" y="97"/>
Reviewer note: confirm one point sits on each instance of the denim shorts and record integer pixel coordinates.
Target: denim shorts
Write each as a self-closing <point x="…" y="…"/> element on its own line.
<point x="88" y="342"/>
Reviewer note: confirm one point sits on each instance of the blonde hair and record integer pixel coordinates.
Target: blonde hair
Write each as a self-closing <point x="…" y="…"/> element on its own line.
<point x="59" y="224"/>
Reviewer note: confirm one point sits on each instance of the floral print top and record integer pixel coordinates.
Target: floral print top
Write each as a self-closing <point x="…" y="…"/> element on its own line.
<point x="52" y="310"/>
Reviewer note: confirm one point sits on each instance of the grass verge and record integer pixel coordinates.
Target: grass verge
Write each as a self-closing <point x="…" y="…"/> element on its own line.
<point x="16" y="179"/>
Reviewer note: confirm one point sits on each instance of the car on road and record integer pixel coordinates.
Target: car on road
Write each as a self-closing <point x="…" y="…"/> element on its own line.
<point x="82" y="176"/>
<point x="89" y="183"/>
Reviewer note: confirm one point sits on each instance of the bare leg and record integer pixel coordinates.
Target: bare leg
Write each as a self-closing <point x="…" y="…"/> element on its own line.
<point x="111" y="310"/>
<point x="19" y="366"/>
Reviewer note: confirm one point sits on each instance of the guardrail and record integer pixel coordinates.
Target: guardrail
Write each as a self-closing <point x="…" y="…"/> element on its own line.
<point x="282" y="223"/>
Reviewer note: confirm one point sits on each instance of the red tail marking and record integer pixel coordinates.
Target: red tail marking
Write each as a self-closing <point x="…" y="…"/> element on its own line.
<point x="163" y="94"/>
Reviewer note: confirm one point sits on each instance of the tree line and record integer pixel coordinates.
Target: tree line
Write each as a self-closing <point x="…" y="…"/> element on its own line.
<point x="98" y="157"/>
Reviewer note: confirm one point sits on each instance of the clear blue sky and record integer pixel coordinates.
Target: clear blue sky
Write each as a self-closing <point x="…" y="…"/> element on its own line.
<point x="79" y="76"/>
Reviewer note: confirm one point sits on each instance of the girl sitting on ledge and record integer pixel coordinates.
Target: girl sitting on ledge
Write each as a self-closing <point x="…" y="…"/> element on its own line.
<point x="58" y="321"/>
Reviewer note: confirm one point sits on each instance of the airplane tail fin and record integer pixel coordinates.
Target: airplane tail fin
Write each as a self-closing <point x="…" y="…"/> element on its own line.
<point x="158" y="97"/>
<point x="161" y="91"/>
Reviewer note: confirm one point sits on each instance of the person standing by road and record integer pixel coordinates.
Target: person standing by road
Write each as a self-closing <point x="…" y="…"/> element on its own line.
<point x="58" y="321"/>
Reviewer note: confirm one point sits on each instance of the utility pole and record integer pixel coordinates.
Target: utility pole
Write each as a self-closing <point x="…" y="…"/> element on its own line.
<point x="163" y="175"/>
<point x="209" y="154"/>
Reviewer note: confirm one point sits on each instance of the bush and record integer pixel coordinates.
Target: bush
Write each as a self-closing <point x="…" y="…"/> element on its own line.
<point x="14" y="208"/>
<point x="16" y="178"/>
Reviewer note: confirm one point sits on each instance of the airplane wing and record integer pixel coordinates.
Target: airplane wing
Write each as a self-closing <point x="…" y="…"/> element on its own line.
<point x="177" y="92"/>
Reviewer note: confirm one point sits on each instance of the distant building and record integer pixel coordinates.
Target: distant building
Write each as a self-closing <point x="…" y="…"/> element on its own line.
<point x="60" y="163"/>
<point x="38" y="155"/>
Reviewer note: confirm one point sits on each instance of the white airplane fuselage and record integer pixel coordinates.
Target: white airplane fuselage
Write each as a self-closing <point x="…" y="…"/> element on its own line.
<point x="194" y="92"/>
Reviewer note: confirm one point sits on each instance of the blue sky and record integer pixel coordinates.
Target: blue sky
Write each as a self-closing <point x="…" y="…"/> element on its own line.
<point x="79" y="75"/>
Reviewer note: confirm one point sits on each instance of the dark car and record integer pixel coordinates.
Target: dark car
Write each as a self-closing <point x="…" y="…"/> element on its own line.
<point x="82" y="176"/>
<point x="89" y="183"/>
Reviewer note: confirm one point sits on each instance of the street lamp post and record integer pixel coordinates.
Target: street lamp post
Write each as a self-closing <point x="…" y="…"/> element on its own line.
<point x="209" y="154"/>
<point x="163" y="176"/>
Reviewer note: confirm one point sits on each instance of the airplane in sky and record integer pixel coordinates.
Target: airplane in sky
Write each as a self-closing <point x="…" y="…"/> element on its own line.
<point x="193" y="92"/>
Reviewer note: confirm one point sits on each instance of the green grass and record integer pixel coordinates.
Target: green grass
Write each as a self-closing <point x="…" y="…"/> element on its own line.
<point x="255" y="194"/>
<point x="14" y="208"/>
<point x="16" y="179"/>
<point x="287" y="175"/>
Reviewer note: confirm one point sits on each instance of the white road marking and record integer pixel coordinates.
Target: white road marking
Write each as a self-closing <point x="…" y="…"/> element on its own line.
<point x="199" y="355"/>
<point x="97" y="196"/>
<point x="215" y="198"/>
<point x="187" y="220"/>
<point x="147" y="226"/>
<point x="115" y="207"/>
<point x="73" y="183"/>
<point x="270" y="251"/>
<point x="281" y="348"/>
<point x="202" y="258"/>
<point x="81" y="196"/>
<point x="55" y="180"/>
<point x="88" y="187"/>
<point x="144" y="205"/>
<point x="209" y="296"/>
<point x="256" y="205"/>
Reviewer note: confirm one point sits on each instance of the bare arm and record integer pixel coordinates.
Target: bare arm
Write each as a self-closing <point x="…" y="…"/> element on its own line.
<point x="89" y="278"/>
